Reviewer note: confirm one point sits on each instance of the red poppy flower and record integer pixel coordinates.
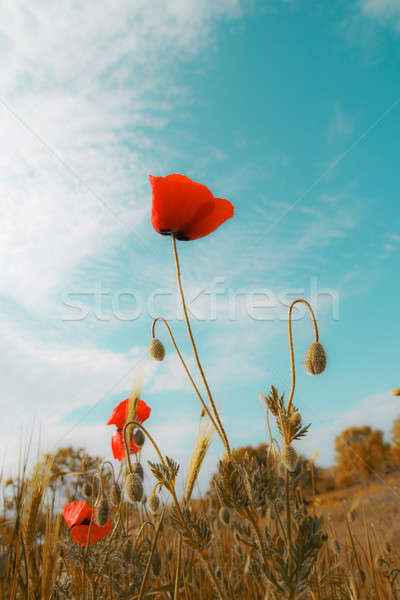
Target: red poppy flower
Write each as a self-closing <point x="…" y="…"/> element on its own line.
<point x="78" y="516"/>
<point x="118" y="418"/>
<point x="186" y="208"/>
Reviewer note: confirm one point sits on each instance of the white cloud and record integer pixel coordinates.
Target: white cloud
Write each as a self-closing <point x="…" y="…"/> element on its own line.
<point x="386" y="11"/>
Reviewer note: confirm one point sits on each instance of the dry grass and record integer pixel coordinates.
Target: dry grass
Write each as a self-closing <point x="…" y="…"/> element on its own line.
<point x="221" y="551"/>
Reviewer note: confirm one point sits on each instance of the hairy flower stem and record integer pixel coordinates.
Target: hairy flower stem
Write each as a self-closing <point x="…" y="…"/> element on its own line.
<point x="288" y="515"/>
<point x="127" y="452"/>
<point x="307" y="304"/>
<point x="212" y="403"/>
<point x="196" y="389"/>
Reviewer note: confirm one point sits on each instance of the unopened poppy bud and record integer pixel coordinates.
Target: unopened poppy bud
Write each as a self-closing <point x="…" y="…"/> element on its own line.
<point x="133" y="488"/>
<point x="101" y="512"/>
<point x="156" y="349"/>
<point x="396" y="392"/>
<point x="156" y="563"/>
<point x="154" y="504"/>
<point x="138" y="470"/>
<point x="139" y="438"/>
<point x="289" y="458"/>
<point x="224" y="515"/>
<point x="115" y="494"/>
<point x="295" y="419"/>
<point x="315" y="360"/>
<point x="87" y="490"/>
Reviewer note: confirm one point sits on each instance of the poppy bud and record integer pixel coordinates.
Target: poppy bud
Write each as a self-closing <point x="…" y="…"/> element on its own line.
<point x="396" y="392"/>
<point x="289" y="458"/>
<point x="101" y="512"/>
<point x="156" y="563"/>
<point x="154" y="504"/>
<point x="295" y="419"/>
<point x="138" y="470"/>
<point x="156" y="349"/>
<point x="133" y="488"/>
<point x="315" y="359"/>
<point x="115" y="494"/>
<point x="87" y="490"/>
<point x="224" y="515"/>
<point x="139" y="438"/>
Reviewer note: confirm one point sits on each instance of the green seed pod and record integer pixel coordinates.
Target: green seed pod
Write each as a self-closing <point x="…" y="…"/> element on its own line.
<point x="87" y="490"/>
<point x="154" y="504"/>
<point x="289" y="458"/>
<point x="139" y="438"/>
<point x="133" y="488"/>
<point x="315" y="359"/>
<point x="156" y="349"/>
<point x="138" y="470"/>
<point x="156" y="563"/>
<point x="101" y="512"/>
<point x="224" y="515"/>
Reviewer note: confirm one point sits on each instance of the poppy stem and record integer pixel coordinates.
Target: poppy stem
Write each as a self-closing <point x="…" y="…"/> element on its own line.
<point x="221" y="430"/>
<point x="196" y="389"/>
<point x="291" y="346"/>
<point x="147" y="435"/>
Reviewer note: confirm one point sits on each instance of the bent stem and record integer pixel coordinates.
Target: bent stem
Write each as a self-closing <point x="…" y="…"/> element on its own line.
<point x="307" y="304"/>
<point x="214" y="408"/>
<point x="127" y="452"/>
<point x="196" y="389"/>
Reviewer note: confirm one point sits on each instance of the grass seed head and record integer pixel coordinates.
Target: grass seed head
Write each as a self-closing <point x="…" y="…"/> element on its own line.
<point x="295" y="418"/>
<point x="156" y="349"/>
<point x="133" y="488"/>
<point x="315" y="360"/>
<point x="289" y="458"/>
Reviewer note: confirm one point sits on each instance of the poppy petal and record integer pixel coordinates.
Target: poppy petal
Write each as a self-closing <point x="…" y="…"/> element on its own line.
<point x="118" y="416"/>
<point x="76" y="512"/>
<point x="206" y="223"/>
<point x="117" y="446"/>
<point x="80" y="533"/>
<point x="177" y="202"/>
<point x="142" y="412"/>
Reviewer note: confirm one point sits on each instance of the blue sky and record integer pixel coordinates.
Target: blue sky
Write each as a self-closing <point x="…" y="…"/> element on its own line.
<point x="289" y="109"/>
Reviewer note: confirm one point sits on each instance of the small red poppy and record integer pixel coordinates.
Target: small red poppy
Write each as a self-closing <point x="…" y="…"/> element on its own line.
<point x="118" y="418"/>
<point x="78" y="515"/>
<point x="186" y="208"/>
